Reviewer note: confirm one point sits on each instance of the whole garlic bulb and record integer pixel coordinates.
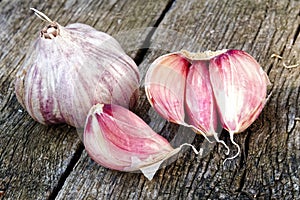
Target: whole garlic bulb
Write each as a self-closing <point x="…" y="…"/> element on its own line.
<point x="70" y="69"/>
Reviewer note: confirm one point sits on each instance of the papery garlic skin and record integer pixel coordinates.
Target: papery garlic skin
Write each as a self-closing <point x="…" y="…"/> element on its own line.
<point x="118" y="139"/>
<point x="69" y="69"/>
<point x="240" y="88"/>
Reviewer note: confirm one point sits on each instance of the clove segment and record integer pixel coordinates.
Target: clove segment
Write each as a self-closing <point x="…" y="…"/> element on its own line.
<point x="200" y="100"/>
<point x="118" y="139"/>
<point x="240" y="88"/>
<point x="165" y="86"/>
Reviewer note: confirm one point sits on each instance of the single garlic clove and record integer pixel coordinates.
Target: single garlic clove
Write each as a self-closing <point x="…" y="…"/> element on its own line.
<point x="118" y="139"/>
<point x="240" y="88"/>
<point x="199" y="98"/>
<point x="165" y="86"/>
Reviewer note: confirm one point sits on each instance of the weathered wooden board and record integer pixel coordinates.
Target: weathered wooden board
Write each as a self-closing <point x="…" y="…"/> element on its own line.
<point x="268" y="167"/>
<point x="34" y="159"/>
<point x="38" y="162"/>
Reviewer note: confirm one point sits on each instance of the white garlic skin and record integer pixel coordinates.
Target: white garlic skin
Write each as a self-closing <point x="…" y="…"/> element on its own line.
<point x="70" y="69"/>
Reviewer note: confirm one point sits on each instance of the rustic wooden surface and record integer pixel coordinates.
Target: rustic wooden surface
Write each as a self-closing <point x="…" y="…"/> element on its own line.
<point x="39" y="162"/>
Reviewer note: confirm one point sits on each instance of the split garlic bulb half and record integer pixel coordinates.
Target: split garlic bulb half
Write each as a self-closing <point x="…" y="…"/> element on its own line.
<point x="208" y="91"/>
<point x="70" y="69"/>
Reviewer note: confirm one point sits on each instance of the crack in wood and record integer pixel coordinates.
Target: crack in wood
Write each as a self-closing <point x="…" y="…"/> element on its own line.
<point x="296" y="34"/>
<point x="67" y="172"/>
<point x="142" y="52"/>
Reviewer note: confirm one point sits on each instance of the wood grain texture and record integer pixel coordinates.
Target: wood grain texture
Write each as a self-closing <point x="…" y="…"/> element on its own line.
<point x="35" y="159"/>
<point x="38" y="162"/>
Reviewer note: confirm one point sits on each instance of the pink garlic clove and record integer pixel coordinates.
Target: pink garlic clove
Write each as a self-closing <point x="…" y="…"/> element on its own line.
<point x="240" y="88"/>
<point x="118" y="139"/>
<point x="165" y="86"/>
<point x="199" y="98"/>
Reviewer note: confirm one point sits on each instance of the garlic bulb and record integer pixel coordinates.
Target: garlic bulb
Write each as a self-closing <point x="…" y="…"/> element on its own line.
<point x="212" y="90"/>
<point x="70" y="69"/>
<point x="118" y="139"/>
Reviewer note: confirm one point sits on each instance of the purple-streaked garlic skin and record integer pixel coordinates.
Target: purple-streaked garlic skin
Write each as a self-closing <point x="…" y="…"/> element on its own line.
<point x="165" y="86"/>
<point x="240" y="88"/>
<point x="70" y="69"/>
<point x="199" y="98"/>
<point x="118" y="139"/>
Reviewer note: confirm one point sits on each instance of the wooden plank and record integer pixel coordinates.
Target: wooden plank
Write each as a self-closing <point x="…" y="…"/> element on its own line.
<point x="269" y="164"/>
<point x="35" y="159"/>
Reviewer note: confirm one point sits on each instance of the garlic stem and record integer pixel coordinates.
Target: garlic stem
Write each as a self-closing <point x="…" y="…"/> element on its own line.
<point x="204" y="135"/>
<point x="290" y="66"/>
<point x="41" y="15"/>
<point x="222" y="142"/>
<point x="276" y="56"/>
<point x="197" y="130"/>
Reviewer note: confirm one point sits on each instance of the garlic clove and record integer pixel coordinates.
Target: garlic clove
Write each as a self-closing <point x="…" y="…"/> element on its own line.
<point x="199" y="98"/>
<point x="165" y="86"/>
<point x="240" y="88"/>
<point x="118" y="139"/>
